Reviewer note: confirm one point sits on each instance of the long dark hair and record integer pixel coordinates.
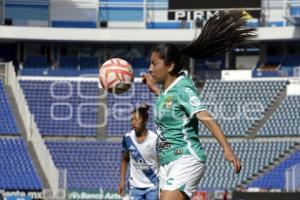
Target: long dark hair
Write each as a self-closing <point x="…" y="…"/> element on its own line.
<point x="222" y="32"/>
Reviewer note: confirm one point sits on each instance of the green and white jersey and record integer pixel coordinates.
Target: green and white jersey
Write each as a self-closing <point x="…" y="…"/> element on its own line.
<point x="176" y="124"/>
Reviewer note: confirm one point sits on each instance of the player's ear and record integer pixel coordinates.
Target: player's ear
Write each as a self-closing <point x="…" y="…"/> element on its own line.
<point x="171" y="67"/>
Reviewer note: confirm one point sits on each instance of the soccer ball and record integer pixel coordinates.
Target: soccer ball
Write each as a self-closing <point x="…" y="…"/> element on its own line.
<point x="116" y="75"/>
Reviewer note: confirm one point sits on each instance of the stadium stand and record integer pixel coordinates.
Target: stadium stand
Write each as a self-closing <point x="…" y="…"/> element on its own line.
<point x="78" y="157"/>
<point x="17" y="169"/>
<point x="89" y="163"/>
<point x="8" y="124"/>
<point x="285" y="121"/>
<point x="121" y="106"/>
<point x="236" y="105"/>
<point x="55" y="105"/>
<point x="262" y="153"/>
<point x="275" y="178"/>
<point x="70" y="133"/>
<point x="39" y="99"/>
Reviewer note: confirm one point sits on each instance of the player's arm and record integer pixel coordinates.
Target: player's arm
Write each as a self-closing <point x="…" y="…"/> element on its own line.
<point x="150" y="82"/>
<point x="217" y="132"/>
<point x="124" y="164"/>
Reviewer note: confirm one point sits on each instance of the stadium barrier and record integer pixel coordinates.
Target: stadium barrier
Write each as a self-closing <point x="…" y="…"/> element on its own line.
<point x="32" y="132"/>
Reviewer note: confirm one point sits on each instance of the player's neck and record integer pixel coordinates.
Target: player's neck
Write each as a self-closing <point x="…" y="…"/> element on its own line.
<point x="169" y="81"/>
<point x="142" y="135"/>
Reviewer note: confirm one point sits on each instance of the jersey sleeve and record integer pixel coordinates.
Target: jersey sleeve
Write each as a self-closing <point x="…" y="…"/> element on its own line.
<point x="124" y="145"/>
<point x="190" y="100"/>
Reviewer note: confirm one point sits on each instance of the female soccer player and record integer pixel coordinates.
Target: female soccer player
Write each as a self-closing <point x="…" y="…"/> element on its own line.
<point x="139" y="149"/>
<point x="179" y="108"/>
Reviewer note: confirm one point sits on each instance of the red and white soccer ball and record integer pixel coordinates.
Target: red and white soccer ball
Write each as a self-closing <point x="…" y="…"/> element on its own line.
<point x="116" y="75"/>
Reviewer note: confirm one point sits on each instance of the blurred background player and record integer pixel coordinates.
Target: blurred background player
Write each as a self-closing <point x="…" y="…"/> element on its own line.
<point x="179" y="107"/>
<point x="139" y="150"/>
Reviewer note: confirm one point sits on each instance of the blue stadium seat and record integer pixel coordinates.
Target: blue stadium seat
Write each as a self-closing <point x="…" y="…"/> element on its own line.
<point x="17" y="169"/>
<point x="236" y="105"/>
<point x="285" y="120"/>
<point x="63" y="108"/>
<point x="89" y="164"/>
<point x="275" y="178"/>
<point x="220" y="175"/>
<point x="8" y="124"/>
<point x="95" y="164"/>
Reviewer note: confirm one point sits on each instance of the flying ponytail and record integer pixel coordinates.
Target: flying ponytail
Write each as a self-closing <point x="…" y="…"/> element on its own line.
<point x="222" y="32"/>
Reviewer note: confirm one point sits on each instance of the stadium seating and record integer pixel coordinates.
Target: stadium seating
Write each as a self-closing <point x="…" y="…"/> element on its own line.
<point x="285" y="120"/>
<point x="16" y="169"/>
<point x="63" y="108"/>
<point x="253" y="155"/>
<point x="8" y="124"/>
<point x="236" y="105"/>
<point x="242" y="95"/>
<point x="67" y="112"/>
<point x="94" y="164"/>
<point x="90" y="165"/>
<point x="207" y="74"/>
<point x="121" y="106"/>
<point x="39" y="98"/>
<point x="275" y="179"/>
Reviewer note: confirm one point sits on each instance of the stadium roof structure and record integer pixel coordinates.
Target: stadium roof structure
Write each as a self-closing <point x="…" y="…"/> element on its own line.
<point x="15" y="33"/>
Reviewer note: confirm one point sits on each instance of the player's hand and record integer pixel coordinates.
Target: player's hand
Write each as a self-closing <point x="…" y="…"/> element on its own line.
<point x="151" y="83"/>
<point x="121" y="189"/>
<point x="229" y="155"/>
